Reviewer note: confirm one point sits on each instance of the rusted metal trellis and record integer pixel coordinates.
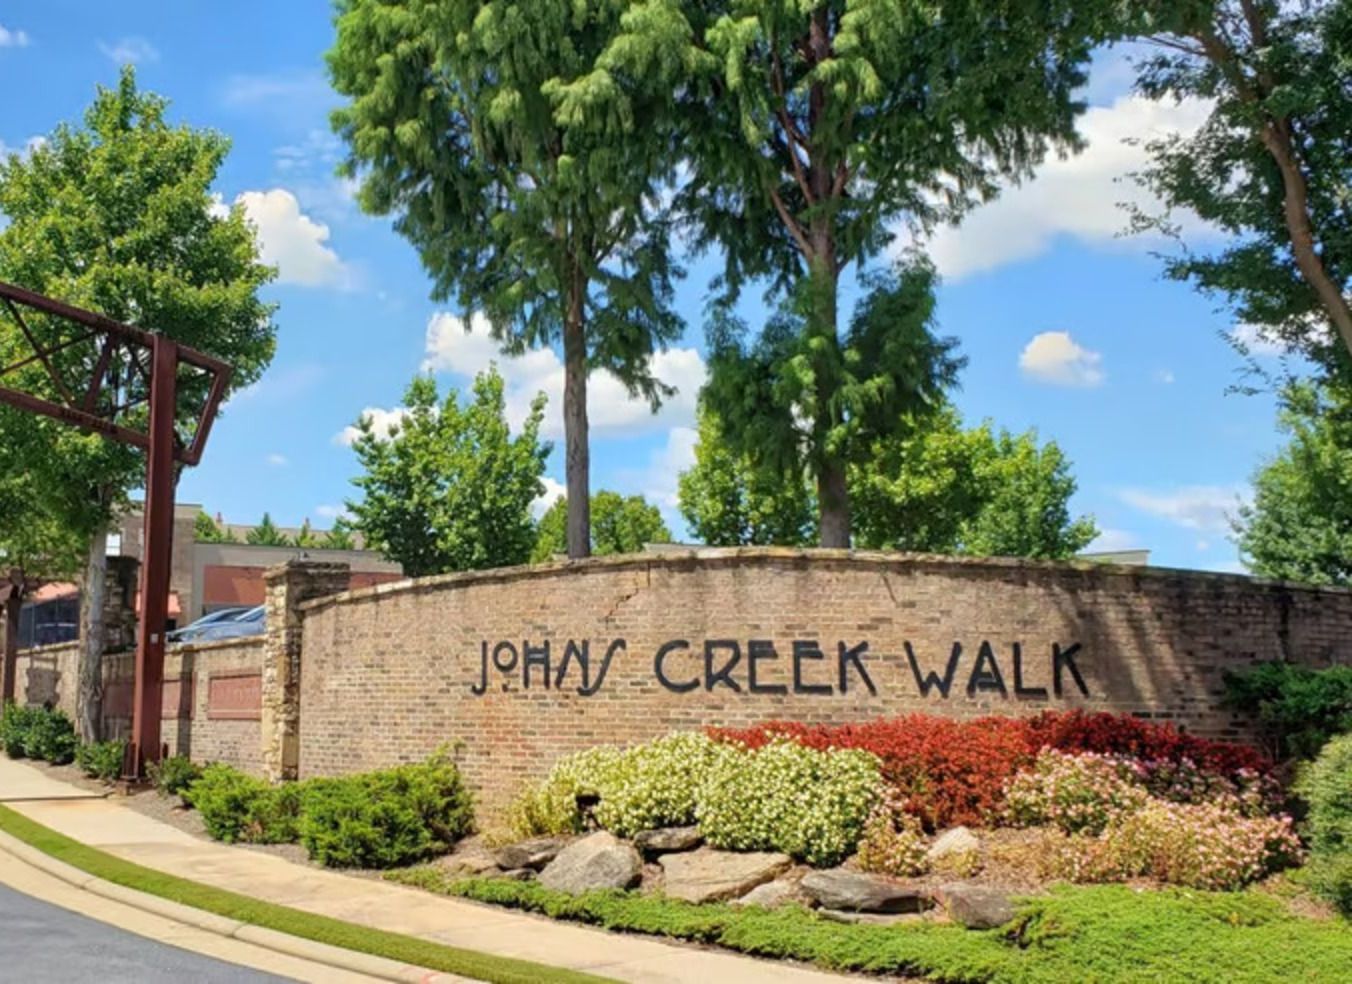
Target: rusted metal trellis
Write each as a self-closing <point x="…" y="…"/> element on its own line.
<point x="136" y="387"/>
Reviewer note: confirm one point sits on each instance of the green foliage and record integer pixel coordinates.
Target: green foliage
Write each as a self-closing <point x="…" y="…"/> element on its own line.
<point x="266" y="534"/>
<point x="117" y="215"/>
<point x="1270" y="165"/>
<point x="1300" y="708"/>
<point x="653" y="784"/>
<point x="449" y="488"/>
<point x="207" y="530"/>
<point x="1326" y="784"/>
<point x="525" y="163"/>
<point x="619" y="524"/>
<point x="17" y="722"/>
<point x="892" y="842"/>
<point x="305" y="537"/>
<point x="728" y="502"/>
<point x="1299" y="525"/>
<point x="37" y="733"/>
<point x="937" y="488"/>
<point x="173" y="776"/>
<point x="339" y="537"/>
<point x="102" y="759"/>
<point x="1081" y="793"/>
<point x="808" y="803"/>
<point x="1101" y="933"/>
<point x="795" y="402"/>
<point x="239" y="807"/>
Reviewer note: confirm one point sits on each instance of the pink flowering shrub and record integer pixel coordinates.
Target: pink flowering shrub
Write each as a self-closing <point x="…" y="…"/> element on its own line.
<point x="893" y="842"/>
<point x="1076" y="793"/>
<point x="1195" y="845"/>
<point x="1244" y="791"/>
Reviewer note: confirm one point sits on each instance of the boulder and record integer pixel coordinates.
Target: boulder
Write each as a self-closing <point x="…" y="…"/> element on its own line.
<point x="856" y="891"/>
<point x="708" y="875"/>
<point x="667" y="840"/>
<point x="598" y="860"/>
<point x="869" y="918"/>
<point x="956" y="840"/>
<point x="469" y="862"/>
<point x="515" y="874"/>
<point x="772" y="895"/>
<point x="976" y="906"/>
<point x="534" y="853"/>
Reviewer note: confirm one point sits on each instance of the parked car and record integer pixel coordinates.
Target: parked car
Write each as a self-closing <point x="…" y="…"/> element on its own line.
<point x="194" y="630"/>
<point x="250" y="623"/>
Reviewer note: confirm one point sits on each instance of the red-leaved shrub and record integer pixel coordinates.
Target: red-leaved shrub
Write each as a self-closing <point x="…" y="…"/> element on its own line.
<point x="949" y="772"/>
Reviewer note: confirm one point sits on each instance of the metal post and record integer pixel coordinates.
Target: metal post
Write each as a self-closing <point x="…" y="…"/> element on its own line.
<point x="147" y="694"/>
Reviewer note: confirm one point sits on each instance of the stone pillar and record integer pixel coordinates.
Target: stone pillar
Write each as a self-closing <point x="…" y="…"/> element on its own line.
<point x="119" y="605"/>
<point x="288" y="585"/>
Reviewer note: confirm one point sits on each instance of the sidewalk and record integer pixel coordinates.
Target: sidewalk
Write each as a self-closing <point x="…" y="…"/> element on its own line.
<point x="123" y="832"/>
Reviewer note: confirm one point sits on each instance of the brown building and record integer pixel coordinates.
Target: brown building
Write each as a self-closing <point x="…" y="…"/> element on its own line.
<point x="204" y="577"/>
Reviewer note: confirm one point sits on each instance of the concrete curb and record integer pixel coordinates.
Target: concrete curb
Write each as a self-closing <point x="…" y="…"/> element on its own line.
<point x="352" y="961"/>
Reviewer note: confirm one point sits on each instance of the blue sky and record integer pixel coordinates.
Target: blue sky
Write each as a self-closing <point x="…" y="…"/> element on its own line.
<point x="1068" y="326"/>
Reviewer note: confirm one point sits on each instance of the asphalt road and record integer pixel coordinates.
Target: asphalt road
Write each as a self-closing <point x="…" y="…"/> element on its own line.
<point x="42" y="943"/>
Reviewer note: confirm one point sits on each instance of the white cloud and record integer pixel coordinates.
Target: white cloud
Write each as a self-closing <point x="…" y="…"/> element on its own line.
<point x="129" y="51"/>
<point x="610" y="408"/>
<point x="1165" y="376"/>
<point x="1054" y="357"/>
<point x="554" y="491"/>
<point x="1205" y="508"/>
<point x="277" y="460"/>
<point x="1258" y="340"/>
<point x="328" y="511"/>
<point x="1077" y="196"/>
<point x="295" y="243"/>
<point x="1111" y="540"/>
<point x="13" y="38"/>
<point x="281" y="91"/>
<point x="382" y="422"/>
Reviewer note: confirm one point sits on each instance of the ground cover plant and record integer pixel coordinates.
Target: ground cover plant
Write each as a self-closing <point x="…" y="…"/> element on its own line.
<point x="1326" y="784"/>
<point x="1074" y="933"/>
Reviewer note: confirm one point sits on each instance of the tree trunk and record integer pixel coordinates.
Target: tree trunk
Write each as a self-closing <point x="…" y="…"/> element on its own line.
<point x="1296" y="211"/>
<point x="89" y="703"/>
<point x="833" y="497"/>
<point x="577" y="452"/>
<point x="13" y="608"/>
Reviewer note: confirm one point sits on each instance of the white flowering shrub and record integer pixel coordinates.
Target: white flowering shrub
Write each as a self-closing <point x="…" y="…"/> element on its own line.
<point x="654" y="784"/>
<point x="809" y="803"/>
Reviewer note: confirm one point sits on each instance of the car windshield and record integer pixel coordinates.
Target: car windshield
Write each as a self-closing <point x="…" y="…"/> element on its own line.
<point x="252" y="615"/>
<point x="222" y="615"/>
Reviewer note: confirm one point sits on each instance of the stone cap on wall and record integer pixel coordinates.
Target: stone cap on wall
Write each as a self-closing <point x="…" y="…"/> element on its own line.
<point x="879" y="559"/>
<point x="207" y="645"/>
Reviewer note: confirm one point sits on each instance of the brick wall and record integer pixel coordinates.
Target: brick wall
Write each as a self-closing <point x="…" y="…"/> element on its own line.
<point x="391" y="672"/>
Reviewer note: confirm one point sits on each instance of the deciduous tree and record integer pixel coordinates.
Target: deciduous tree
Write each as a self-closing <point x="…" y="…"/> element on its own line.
<point x="814" y="128"/>
<point x="1272" y="164"/>
<point x="117" y="215"/>
<point x="620" y="524"/>
<point x="526" y="170"/>
<point x="448" y="487"/>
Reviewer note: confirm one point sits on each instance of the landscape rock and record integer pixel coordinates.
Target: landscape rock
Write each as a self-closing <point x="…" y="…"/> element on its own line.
<point x="976" y="906"/>
<point x="666" y="840"/>
<point x="469" y="861"/>
<point x="869" y="918"/>
<point x="599" y="860"/>
<point x="772" y="895"/>
<point x="708" y="875"/>
<point x="515" y="874"/>
<point x="856" y="891"/>
<point x="534" y="853"/>
<point x="957" y="840"/>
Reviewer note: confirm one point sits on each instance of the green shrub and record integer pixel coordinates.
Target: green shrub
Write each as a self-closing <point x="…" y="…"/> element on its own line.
<point x="102" y="759"/>
<point x="52" y="738"/>
<point x="385" y="819"/>
<point x="642" y="787"/>
<point x="173" y="775"/>
<point x="1326" y="784"/>
<point x="1300" y="708"/>
<point x="16" y="723"/>
<point x="236" y="806"/>
<point x="806" y="802"/>
<point x="893" y="842"/>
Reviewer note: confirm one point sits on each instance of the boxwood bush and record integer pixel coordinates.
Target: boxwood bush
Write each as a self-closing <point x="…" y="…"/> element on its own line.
<point x="1326" y="784"/>
<point x="37" y="733"/>
<point x="236" y="806"/>
<point x="102" y="759"/>
<point x="385" y="819"/>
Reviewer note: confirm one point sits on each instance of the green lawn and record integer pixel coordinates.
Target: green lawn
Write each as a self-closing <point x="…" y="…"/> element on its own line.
<point x="1108" y="933"/>
<point x="321" y="929"/>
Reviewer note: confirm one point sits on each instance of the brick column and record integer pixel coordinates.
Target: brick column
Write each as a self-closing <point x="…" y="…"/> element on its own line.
<point x="288" y="585"/>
